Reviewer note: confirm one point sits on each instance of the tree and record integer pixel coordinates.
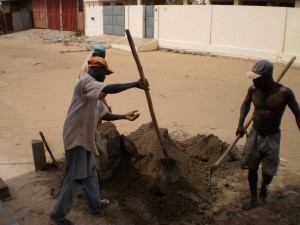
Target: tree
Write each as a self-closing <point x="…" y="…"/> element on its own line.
<point x="174" y="2"/>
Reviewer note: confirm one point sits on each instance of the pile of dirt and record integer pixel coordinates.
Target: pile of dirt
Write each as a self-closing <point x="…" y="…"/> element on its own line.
<point x="139" y="195"/>
<point x="108" y="131"/>
<point x="55" y="36"/>
<point x="137" y="181"/>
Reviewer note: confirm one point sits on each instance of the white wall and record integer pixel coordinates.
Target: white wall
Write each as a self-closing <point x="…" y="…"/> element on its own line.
<point x="93" y="27"/>
<point x="184" y="27"/>
<point x="254" y="32"/>
<point x="248" y="31"/>
<point x="134" y="20"/>
<point x="156" y="24"/>
<point x="292" y="35"/>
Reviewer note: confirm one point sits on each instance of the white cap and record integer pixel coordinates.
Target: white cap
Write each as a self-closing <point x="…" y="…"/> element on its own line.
<point x="260" y="68"/>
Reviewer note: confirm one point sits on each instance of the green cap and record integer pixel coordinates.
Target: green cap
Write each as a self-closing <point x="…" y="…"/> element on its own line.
<point x="99" y="50"/>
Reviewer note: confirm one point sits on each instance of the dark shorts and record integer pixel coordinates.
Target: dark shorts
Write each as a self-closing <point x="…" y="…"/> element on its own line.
<point x="261" y="149"/>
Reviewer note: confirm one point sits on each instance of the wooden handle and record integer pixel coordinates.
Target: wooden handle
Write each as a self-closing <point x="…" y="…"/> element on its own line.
<point x="47" y="147"/>
<point x="286" y="68"/>
<point x="147" y="92"/>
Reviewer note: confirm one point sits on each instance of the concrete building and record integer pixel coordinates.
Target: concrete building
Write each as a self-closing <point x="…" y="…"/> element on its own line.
<point x="280" y="3"/>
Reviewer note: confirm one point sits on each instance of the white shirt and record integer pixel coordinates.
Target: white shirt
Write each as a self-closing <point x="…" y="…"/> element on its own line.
<point x="84" y="114"/>
<point x="84" y="68"/>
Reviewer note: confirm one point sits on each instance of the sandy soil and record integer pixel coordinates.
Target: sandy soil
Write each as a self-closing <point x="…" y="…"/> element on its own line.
<point x="192" y="95"/>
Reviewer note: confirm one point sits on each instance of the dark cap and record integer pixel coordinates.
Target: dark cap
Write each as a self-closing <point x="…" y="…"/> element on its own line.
<point x="261" y="68"/>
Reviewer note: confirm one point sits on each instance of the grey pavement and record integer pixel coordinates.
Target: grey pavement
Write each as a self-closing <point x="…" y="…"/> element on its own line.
<point x="5" y="218"/>
<point x="121" y="42"/>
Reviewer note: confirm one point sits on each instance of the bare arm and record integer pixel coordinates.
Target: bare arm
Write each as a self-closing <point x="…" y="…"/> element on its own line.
<point x="116" y="88"/>
<point x="245" y="108"/>
<point x="131" y="116"/>
<point x="293" y="105"/>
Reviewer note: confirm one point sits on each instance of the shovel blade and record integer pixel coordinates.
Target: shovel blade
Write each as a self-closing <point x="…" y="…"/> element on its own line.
<point x="212" y="169"/>
<point x="170" y="170"/>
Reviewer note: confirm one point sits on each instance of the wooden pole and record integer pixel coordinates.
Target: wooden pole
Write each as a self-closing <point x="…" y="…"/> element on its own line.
<point x="147" y="92"/>
<point x="48" y="149"/>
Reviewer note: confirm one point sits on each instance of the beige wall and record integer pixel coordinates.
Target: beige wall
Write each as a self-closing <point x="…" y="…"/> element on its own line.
<point x="240" y="31"/>
<point x="135" y="20"/>
<point x="292" y="34"/>
<point x="93" y="27"/>
<point x="254" y="32"/>
<point x="184" y="27"/>
<point x="248" y="31"/>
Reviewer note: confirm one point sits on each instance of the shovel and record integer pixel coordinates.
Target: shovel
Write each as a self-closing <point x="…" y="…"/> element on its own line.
<point x="48" y="149"/>
<point x="216" y="165"/>
<point x="171" y="171"/>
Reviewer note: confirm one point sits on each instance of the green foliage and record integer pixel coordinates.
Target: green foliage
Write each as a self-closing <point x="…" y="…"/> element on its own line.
<point x="174" y="2"/>
<point x="78" y="33"/>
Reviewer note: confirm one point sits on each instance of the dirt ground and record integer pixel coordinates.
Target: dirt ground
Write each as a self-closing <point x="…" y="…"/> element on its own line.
<point x="196" y="100"/>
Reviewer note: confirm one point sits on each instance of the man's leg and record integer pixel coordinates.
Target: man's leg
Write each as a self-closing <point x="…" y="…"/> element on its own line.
<point x="68" y="192"/>
<point x="270" y="162"/>
<point x="252" y="180"/>
<point x="65" y="201"/>
<point x="91" y="188"/>
<point x="267" y="179"/>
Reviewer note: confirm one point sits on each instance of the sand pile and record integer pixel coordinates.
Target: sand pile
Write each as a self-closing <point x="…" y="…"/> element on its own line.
<point x="137" y="180"/>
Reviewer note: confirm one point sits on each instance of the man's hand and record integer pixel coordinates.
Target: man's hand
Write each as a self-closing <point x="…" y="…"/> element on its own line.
<point x="132" y="115"/>
<point x="240" y="131"/>
<point x="143" y="86"/>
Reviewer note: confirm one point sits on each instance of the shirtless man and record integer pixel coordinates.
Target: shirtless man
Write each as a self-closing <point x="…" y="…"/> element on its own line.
<point x="263" y="142"/>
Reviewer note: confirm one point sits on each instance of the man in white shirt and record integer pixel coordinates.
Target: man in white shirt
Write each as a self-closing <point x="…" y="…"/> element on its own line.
<point x="84" y="114"/>
<point x="98" y="50"/>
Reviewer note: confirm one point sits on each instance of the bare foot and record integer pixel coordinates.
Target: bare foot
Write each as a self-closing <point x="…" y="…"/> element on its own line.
<point x="250" y="205"/>
<point x="263" y="195"/>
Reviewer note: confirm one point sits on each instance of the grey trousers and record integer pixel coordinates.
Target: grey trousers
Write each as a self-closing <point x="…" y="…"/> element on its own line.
<point x="80" y="173"/>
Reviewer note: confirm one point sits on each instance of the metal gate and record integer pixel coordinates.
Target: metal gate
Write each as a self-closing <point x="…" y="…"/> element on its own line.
<point x="53" y="14"/>
<point x="6" y="23"/>
<point x="114" y="20"/>
<point x="149" y="21"/>
<point x="62" y="15"/>
<point x="69" y="15"/>
<point x="39" y="11"/>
